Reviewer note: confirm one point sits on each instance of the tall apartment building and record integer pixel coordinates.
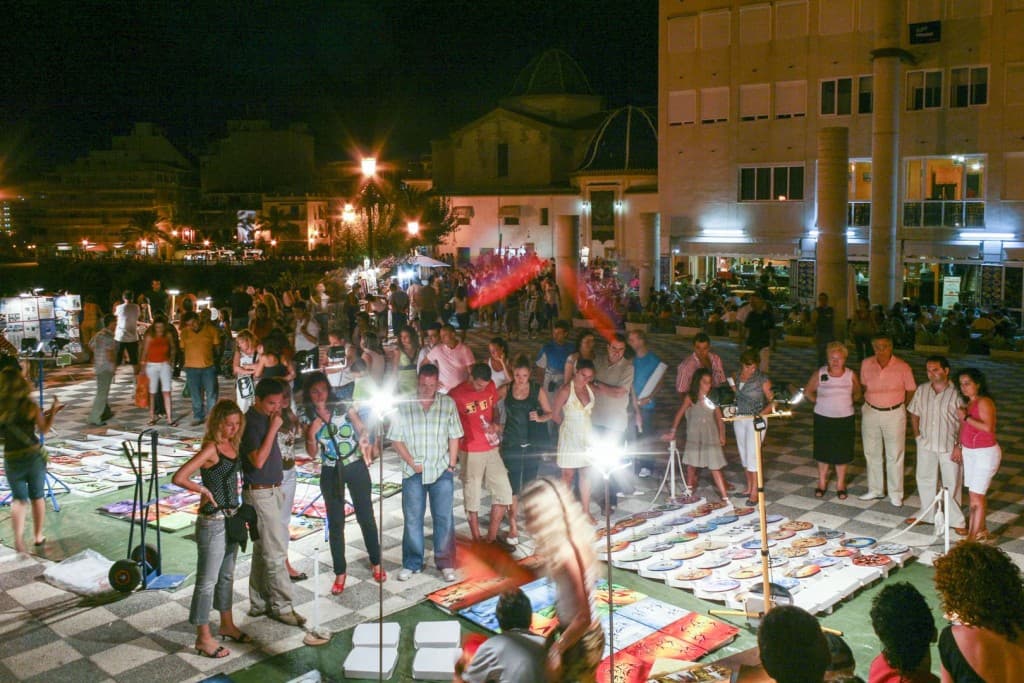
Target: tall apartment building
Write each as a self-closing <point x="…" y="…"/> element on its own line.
<point x="931" y="93"/>
<point x="94" y="197"/>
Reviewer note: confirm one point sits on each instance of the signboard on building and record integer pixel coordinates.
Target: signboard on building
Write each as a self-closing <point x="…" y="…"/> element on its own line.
<point x="950" y="291"/>
<point x="925" y="32"/>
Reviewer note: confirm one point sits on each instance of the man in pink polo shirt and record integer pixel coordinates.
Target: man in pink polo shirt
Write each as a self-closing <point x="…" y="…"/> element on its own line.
<point x="452" y="358"/>
<point x="888" y="386"/>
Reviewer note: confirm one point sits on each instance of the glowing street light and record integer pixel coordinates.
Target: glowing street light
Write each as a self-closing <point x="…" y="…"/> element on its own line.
<point x="368" y="166"/>
<point x="413" y="227"/>
<point x="348" y="214"/>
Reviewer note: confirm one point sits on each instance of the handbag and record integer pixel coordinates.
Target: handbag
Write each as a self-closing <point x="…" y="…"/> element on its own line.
<point x="142" y="390"/>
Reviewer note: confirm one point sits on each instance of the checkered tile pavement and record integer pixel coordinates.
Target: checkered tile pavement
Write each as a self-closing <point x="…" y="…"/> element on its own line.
<point x="48" y="634"/>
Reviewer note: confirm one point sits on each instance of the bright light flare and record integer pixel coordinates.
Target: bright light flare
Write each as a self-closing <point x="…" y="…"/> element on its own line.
<point x="368" y="165"/>
<point x="499" y="287"/>
<point x="606" y="455"/>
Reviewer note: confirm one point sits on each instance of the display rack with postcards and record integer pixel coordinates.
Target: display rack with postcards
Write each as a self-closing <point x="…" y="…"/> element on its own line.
<point x="44" y="319"/>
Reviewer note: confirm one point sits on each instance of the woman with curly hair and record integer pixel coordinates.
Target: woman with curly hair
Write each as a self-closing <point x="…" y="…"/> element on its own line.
<point x="217" y="463"/>
<point x="977" y="448"/>
<point x="904" y="623"/>
<point x="982" y="593"/>
<point x="24" y="458"/>
<point x="564" y="538"/>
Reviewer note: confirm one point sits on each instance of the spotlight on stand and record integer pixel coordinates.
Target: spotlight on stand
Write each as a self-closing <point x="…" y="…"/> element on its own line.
<point x="605" y="455"/>
<point x="790" y="396"/>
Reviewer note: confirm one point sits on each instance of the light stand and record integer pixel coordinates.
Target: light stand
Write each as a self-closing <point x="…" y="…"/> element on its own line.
<point x="605" y="457"/>
<point x="381" y="403"/>
<point x="760" y="424"/>
<point x="674" y="464"/>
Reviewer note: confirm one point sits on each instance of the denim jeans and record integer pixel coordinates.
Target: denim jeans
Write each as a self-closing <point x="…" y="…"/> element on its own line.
<point x="270" y="589"/>
<point x="356" y="477"/>
<point x="414" y="499"/>
<point x="202" y="384"/>
<point x="215" y="570"/>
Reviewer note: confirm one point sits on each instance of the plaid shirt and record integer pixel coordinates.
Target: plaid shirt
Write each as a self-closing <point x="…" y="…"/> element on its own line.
<point x="426" y="435"/>
<point x="104" y="346"/>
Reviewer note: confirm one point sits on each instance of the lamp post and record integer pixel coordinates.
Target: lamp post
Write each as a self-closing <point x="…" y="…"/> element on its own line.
<point x="605" y="456"/>
<point x="369" y="169"/>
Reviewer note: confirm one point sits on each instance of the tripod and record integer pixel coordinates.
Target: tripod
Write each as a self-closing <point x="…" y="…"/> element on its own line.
<point x="675" y="463"/>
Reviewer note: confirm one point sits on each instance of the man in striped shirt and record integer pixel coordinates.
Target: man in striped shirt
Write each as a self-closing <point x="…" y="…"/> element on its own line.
<point x="935" y="419"/>
<point x="425" y="434"/>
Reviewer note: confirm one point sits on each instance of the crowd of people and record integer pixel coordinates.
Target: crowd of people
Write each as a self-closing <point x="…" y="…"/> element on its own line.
<point x="308" y="370"/>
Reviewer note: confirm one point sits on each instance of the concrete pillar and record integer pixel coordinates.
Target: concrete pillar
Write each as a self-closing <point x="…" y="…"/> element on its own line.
<point x="567" y="259"/>
<point x="832" y="191"/>
<point x="885" y="283"/>
<point x="644" y="250"/>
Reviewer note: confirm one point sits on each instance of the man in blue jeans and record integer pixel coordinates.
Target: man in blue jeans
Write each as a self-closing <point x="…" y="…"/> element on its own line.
<point x="200" y="343"/>
<point x="426" y="434"/>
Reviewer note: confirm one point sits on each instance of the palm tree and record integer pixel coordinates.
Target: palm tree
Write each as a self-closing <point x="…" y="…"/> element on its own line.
<point x="150" y="226"/>
<point x="277" y="224"/>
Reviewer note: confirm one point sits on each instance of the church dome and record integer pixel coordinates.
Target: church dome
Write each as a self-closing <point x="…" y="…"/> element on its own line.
<point x="627" y="140"/>
<point x="553" y="72"/>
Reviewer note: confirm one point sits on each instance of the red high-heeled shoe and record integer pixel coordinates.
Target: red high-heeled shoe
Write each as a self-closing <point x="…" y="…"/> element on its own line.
<point x="339" y="584"/>
<point x="379" y="575"/>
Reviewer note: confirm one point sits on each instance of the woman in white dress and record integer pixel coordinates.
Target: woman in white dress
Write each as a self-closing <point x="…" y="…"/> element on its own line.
<point x="573" y="404"/>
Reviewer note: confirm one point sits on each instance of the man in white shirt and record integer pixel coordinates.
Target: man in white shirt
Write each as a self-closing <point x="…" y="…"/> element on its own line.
<point x="307" y="332"/>
<point x="127" y="332"/>
<point x="452" y="358"/>
<point x="935" y="418"/>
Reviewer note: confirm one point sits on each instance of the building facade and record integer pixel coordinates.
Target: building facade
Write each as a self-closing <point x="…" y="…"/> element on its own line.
<point x="931" y="96"/>
<point x="551" y="171"/>
<point x="95" y="197"/>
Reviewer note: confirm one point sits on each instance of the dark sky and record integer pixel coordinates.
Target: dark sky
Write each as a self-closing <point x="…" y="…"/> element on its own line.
<point x="72" y="73"/>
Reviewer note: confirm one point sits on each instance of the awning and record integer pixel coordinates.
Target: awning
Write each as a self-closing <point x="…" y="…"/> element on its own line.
<point x="510" y="211"/>
<point x="938" y="250"/>
<point x="779" y="250"/>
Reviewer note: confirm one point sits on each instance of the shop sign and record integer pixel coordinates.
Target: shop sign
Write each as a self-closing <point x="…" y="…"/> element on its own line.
<point x="950" y="291"/>
<point x="925" y="32"/>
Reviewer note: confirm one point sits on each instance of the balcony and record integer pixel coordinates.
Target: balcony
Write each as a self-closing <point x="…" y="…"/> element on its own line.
<point x="950" y="214"/>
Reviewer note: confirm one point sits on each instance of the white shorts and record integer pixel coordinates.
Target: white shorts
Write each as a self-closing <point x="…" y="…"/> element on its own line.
<point x="159" y="373"/>
<point x="980" y="465"/>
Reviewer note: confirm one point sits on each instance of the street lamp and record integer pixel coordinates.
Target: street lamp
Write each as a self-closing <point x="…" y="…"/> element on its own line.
<point x="369" y="168"/>
<point x="413" y="227"/>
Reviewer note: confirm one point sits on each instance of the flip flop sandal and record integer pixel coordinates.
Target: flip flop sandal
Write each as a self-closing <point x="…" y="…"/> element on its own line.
<point x="819" y="493"/>
<point x="220" y="653"/>
<point x="242" y="637"/>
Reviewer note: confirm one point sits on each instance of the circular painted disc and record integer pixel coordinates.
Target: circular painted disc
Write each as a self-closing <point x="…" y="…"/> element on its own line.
<point x="790" y="551"/>
<point x="681" y="537"/>
<point x="797" y="525"/>
<point x="804" y="571"/>
<point x="669" y="507"/>
<point x="872" y="560"/>
<point x="740" y="553"/>
<point x="809" y="542"/>
<point x="842" y="552"/>
<point x="748" y="572"/>
<point x="755" y="544"/>
<point x="694" y="574"/>
<point x="637" y="556"/>
<point x="726" y="519"/>
<point x="890" y="549"/>
<point x="664" y="565"/>
<point x="858" y="542"/>
<point x="782" y="534"/>
<point x="686" y="553"/>
<point x="825" y="561"/>
<point x="713" y="562"/>
<point x="718" y="585"/>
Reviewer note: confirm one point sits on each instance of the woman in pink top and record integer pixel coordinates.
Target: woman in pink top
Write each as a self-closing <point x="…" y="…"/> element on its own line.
<point x="977" y="448"/>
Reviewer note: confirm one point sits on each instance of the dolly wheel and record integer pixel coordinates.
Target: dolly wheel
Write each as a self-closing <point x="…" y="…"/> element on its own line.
<point x="124" y="576"/>
<point x="152" y="556"/>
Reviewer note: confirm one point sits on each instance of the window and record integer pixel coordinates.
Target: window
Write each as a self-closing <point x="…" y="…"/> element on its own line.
<point x="755" y="101"/>
<point x="755" y="24"/>
<point x="837" y="97"/>
<point x="502" y="159"/>
<point x="924" y="90"/>
<point x="771" y="183"/>
<point x="790" y="19"/>
<point x="923" y="10"/>
<point x="1014" y="177"/>
<point x="682" y="34"/>
<point x="714" y="105"/>
<point x="1014" y="87"/>
<point x="968" y="86"/>
<point x="959" y="9"/>
<point x="838" y="19"/>
<point x="682" y="107"/>
<point x="865" y="90"/>
<point x="858" y="212"/>
<point x="544" y="216"/>
<point x="714" y="29"/>
<point x="510" y="220"/>
<point x="790" y="99"/>
<point x="945" y="191"/>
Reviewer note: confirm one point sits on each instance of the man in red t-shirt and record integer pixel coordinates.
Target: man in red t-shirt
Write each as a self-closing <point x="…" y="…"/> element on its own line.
<point x="475" y="400"/>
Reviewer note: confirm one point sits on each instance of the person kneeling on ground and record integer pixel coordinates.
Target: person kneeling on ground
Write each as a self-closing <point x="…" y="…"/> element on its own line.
<point x="513" y="656"/>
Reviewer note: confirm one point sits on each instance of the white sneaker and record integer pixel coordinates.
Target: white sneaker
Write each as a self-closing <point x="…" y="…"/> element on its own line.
<point x="512" y="540"/>
<point x="896" y="502"/>
<point x="449" y="575"/>
<point x="871" y="496"/>
<point x="406" y="574"/>
<point x="644" y="473"/>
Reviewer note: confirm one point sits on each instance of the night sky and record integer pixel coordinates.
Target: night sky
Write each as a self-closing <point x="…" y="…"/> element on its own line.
<point x="73" y="73"/>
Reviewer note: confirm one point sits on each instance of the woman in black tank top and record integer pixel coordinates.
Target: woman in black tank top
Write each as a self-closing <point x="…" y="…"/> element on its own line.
<point x="217" y="463"/>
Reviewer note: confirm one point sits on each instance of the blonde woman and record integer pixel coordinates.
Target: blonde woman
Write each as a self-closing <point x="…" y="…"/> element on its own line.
<point x="217" y="463"/>
<point x="564" y="538"/>
<point x="24" y="460"/>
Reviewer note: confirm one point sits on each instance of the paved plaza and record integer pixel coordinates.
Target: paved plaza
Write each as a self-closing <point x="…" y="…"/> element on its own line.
<point x="48" y="634"/>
